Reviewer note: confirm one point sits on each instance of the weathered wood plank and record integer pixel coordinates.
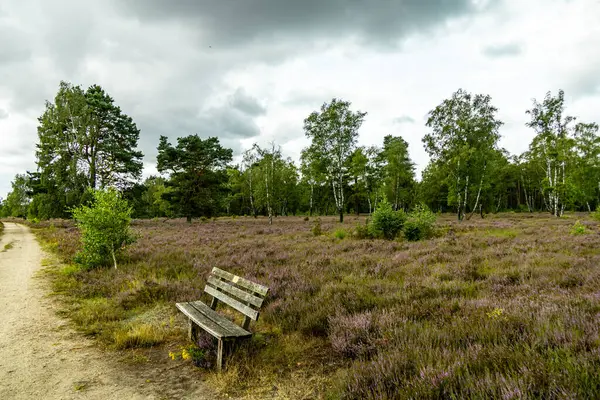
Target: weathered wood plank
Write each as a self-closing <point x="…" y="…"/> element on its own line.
<point x="212" y="322"/>
<point x="239" y="293"/>
<point x="203" y="321"/>
<point x="244" y="309"/>
<point x="236" y="330"/>
<point x="238" y="280"/>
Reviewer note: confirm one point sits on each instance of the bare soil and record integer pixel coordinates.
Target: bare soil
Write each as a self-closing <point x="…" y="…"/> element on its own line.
<point x="41" y="356"/>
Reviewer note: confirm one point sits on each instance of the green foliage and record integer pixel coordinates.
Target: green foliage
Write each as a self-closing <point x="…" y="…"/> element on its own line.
<point x="104" y="228"/>
<point x="419" y="223"/>
<point x="386" y="222"/>
<point x="333" y="132"/>
<point x="464" y="135"/>
<point x="578" y="228"/>
<point x="399" y="171"/>
<point x="340" y="233"/>
<point x="85" y="141"/>
<point x="553" y="150"/>
<point x="198" y="174"/>
<point x="17" y="201"/>
<point x="362" y="231"/>
<point x="596" y="215"/>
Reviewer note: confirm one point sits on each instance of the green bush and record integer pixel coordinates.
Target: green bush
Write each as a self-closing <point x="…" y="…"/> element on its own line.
<point x="419" y="224"/>
<point x="578" y="228"/>
<point x="340" y="234"/>
<point x="362" y="231"/>
<point x="386" y="222"/>
<point x="596" y="215"/>
<point x="104" y="228"/>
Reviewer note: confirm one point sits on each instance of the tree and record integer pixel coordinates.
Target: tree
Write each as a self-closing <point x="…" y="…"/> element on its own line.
<point x="464" y="134"/>
<point x="104" y="228"/>
<point x="85" y="141"/>
<point x="198" y="174"/>
<point x="399" y="171"/>
<point x="552" y="149"/>
<point x="333" y="132"/>
<point x="17" y="201"/>
<point x="587" y="170"/>
<point x="313" y="175"/>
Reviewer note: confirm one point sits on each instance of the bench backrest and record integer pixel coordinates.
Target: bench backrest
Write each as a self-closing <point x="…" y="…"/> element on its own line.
<point x="241" y="294"/>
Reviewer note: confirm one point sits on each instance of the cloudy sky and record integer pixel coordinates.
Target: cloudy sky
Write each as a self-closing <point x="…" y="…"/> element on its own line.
<point x="251" y="70"/>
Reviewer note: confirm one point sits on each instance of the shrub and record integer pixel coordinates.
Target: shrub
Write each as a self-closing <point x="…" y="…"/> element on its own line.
<point x="361" y="231"/>
<point x="104" y="228"/>
<point x="596" y="215"/>
<point x="316" y="229"/>
<point x="340" y="234"/>
<point x="306" y="219"/>
<point x="354" y="336"/>
<point x="386" y="222"/>
<point x="578" y="228"/>
<point x="419" y="224"/>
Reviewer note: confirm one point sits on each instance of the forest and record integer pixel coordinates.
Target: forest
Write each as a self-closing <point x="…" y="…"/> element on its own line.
<point x="85" y="141"/>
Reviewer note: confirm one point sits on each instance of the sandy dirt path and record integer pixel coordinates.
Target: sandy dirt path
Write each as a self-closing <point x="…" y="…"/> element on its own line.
<point x="41" y="357"/>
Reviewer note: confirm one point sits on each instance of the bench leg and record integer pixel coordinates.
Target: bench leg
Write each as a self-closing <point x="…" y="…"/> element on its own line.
<point x="192" y="331"/>
<point x="224" y="349"/>
<point x="220" y="356"/>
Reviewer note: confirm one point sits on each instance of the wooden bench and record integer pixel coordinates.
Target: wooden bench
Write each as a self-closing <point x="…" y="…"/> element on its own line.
<point x="241" y="294"/>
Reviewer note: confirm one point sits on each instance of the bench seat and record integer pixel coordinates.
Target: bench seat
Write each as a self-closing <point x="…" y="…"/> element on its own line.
<point x="211" y="321"/>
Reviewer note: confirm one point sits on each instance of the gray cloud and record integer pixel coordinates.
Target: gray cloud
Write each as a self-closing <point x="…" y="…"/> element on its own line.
<point x="235" y="23"/>
<point x="12" y="50"/>
<point x="503" y="50"/>
<point x="404" y="119"/>
<point x="246" y="104"/>
<point x="586" y="82"/>
<point x="3" y="114"/>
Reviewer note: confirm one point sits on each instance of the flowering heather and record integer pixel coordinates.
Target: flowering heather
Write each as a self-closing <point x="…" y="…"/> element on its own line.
<point x="504" y="307"/>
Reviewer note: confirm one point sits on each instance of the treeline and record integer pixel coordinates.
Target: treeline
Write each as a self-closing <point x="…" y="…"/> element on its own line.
<point x="87" y="142"/>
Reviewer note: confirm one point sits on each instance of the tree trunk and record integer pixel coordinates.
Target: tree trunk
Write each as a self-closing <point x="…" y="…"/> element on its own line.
<point x="341" y="215"/>
<point x="189" y="219"/>
<point x="478" y="193"/>
<point x="312" y="190"/>
<point x="356" y="202"/>
<point x="113" y="256"/>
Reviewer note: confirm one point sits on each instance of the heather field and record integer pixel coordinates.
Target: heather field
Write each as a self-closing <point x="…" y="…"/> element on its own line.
<point x="506" y="307"/>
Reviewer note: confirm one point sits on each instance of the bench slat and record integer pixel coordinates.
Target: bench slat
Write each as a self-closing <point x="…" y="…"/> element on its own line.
<point x="211" y="321"/>
<point x="203" y="321"/>
<point x="244" y="309"/>
<point x="255" y="287"/>
<point x="239" y="293"/>
<point x="223" y="321"/>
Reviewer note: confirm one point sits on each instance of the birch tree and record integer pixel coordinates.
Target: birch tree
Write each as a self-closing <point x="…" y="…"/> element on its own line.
<point x="464" y="134"/>
<point x="334" y="131"/>
<point x="587" y="173"/>
<point x="552" y="148"/>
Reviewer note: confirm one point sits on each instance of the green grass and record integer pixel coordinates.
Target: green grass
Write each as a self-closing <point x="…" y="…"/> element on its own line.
<point x="504" y="307"/>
